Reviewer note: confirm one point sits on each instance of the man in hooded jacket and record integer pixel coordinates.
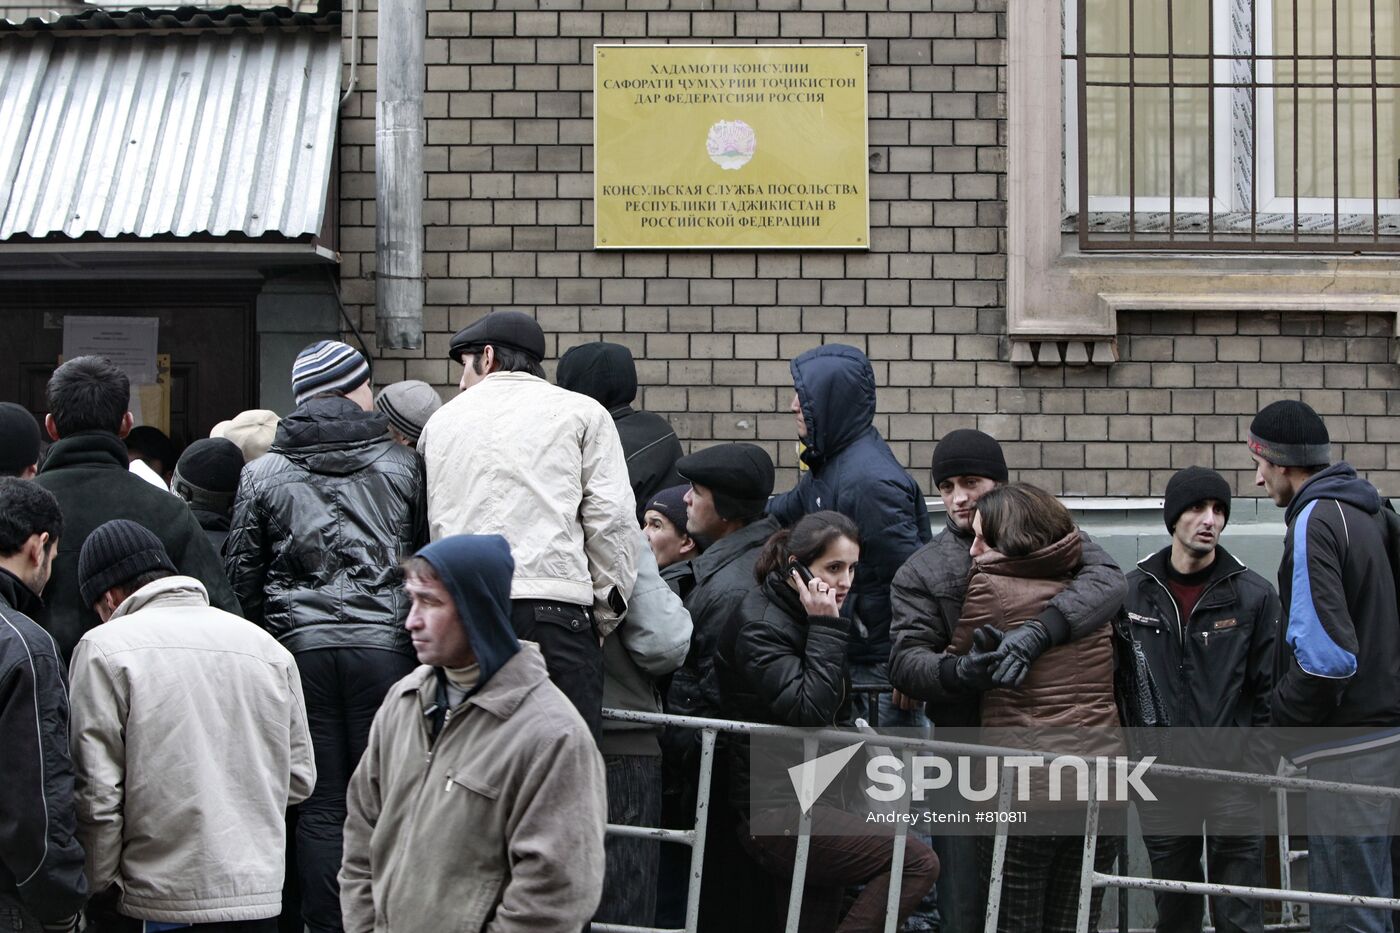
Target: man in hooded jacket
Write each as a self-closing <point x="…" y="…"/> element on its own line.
<point x="606" y="373"/>
<point x="480" y="802"/>
<point x="852" y="471"/>
<point x="1338" y="664"/>
<point x="320" y="524"/>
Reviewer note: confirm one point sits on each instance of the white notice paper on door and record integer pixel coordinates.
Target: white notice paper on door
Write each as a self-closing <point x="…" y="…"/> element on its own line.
<point x="129" y="342"/>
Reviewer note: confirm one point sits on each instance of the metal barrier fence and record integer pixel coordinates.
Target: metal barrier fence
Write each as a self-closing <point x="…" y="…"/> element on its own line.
<point x="1089" y="877"/>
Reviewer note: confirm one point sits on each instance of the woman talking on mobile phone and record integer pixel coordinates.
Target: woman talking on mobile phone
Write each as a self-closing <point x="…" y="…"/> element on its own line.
<point x="782" y="660"/>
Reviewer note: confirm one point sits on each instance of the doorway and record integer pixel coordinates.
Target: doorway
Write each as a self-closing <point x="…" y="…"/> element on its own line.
<point x="207" y="329"/>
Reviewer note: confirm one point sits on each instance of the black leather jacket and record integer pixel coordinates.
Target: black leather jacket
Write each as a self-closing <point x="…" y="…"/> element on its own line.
<point x="1216" y="667"/>
<point x="320" y="525"/>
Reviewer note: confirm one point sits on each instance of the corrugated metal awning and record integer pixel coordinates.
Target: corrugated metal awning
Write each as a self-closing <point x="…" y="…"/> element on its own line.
<point x="176" y="134"/>
<point x="93" y="21"/>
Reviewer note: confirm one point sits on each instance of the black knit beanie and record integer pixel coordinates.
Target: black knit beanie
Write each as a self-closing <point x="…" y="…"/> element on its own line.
<point x="1289" y="433"/>
<point x="966" y="452"/>
<point x="207" y="474"/>
<point x="19" y="439"/>
<point x="1190" y="486"/>
<point x="116" y="553"/>
<point x="670" y="502"/>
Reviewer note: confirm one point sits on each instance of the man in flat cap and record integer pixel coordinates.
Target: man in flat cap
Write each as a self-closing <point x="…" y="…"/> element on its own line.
<point x="252" y="430"/>
<point x="729" y="488"/>
<point x="543" y="467"/>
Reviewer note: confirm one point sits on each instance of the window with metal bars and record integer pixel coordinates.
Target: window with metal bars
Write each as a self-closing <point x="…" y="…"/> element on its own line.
<point x="1260" y="125"/>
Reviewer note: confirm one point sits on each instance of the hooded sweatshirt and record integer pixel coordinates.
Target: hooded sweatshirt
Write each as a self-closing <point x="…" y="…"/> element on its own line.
<point x="487" y="815"/>
<point x="1339" y="664"/>
<point x="606" y="373"/>
<point x="853" y="471"/>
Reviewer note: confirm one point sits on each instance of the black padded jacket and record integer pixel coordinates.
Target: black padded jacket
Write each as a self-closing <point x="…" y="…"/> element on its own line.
<point x="775" y="664"/>
<point x="319" y="527"/>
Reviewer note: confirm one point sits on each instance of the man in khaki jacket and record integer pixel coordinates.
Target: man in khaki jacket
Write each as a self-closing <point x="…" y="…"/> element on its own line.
<point x="542" y="467"/>
<point x="189" y="742"/>
<point x="480" y="802"/>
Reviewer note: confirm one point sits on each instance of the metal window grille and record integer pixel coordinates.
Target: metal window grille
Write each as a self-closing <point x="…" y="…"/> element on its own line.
<point x="1255" y="195"/>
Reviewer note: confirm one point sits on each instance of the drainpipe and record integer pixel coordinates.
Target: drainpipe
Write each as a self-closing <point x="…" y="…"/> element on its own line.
<point x="398" y="166"/>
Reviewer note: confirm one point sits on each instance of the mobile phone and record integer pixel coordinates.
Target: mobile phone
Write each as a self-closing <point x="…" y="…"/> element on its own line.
<point x="802" y="570"/>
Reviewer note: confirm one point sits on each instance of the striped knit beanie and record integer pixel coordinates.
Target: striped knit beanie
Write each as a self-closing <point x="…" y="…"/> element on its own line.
<point x="328" y="366"/>
<point x="408" y="405"/>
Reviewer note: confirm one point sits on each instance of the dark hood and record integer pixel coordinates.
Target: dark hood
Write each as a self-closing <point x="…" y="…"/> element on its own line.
<point x="1340" y="482"/>
<point x="604" y="372"/>
<point x="836" y="389"/>
<point x="477" y="569"/>
<point x="332" y="436"/>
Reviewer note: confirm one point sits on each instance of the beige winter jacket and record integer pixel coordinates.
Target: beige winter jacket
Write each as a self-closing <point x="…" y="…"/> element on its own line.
<point x="189" y="742"/>
<point x="497" y="826"/>
<point x="543" y="468"/>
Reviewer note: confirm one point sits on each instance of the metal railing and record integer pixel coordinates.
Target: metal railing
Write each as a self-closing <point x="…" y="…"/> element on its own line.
<point x="1090" y="878"/>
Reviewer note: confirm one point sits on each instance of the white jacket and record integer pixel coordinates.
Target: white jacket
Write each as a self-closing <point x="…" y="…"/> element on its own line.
<point x="543" y="467"/>
<point x="189" y="742"/>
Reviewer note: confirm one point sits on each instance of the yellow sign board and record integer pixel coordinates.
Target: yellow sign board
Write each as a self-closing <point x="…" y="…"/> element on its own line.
<point x="730" y="146"/>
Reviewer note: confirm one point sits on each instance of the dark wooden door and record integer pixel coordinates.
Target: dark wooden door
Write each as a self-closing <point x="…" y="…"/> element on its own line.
<point x="206" y="327"/>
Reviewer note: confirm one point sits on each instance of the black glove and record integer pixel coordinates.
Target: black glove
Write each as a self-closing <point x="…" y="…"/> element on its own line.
<point x="974" y="669"/>
<point x="1019" y="648"/>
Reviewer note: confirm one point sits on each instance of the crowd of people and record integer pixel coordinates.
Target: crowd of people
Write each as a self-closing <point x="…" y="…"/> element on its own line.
<point x="346" y="669"/>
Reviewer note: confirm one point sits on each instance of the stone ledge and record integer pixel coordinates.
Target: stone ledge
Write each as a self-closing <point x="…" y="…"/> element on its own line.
<point x="1074" y="352"/>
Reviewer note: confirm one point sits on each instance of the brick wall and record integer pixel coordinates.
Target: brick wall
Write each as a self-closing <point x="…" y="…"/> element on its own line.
<point x="509" y="213"/>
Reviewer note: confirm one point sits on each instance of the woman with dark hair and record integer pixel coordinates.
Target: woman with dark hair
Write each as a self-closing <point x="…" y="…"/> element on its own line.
<point x="1026" y="551"/>
<point x="782" y="660"/>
